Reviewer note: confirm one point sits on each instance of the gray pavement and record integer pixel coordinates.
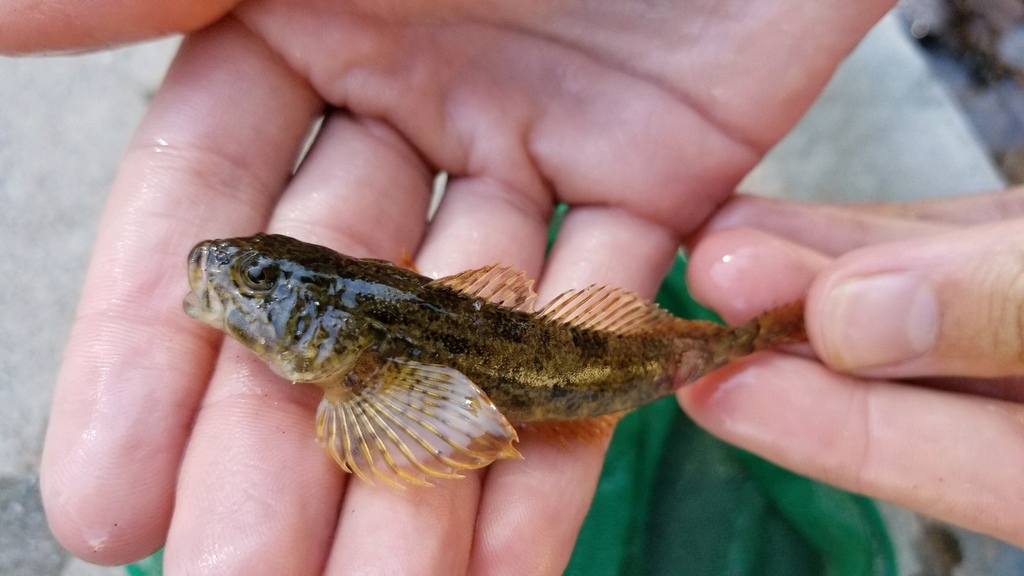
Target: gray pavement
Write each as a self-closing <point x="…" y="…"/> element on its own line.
<point x="64" y="122"/>
<point x="883" y="130"/>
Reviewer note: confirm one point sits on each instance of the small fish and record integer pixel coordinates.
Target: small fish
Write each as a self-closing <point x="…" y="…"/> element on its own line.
<point x="425" y="378"/>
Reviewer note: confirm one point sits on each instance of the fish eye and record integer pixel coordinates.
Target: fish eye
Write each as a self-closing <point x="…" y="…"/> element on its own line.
<point x="257" y="275"/>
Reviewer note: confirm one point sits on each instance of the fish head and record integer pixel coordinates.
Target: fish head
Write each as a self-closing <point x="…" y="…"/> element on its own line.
<point x="272" y="294"/>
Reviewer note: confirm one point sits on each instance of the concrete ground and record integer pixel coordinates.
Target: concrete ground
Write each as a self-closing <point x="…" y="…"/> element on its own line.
<point x="884" y="130"/>
<point x="64" y="122"/>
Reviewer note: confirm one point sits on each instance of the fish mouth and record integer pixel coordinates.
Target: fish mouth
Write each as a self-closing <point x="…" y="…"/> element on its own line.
<point x="202" y="303"/>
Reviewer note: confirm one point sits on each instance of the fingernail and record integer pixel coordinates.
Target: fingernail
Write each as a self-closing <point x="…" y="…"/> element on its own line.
<point x="879" y="320"/>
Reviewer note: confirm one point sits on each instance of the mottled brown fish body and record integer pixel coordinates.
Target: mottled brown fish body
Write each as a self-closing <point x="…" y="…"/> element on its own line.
<point x="533" y="370"/>
<point x="423" y="377"/>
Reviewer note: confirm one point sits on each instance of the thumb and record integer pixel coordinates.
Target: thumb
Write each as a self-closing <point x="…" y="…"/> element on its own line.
<point x="947" y="304"/>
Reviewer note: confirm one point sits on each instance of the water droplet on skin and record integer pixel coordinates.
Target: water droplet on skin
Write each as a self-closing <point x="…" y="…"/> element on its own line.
<point x="98" y="542"/>
<point x="215" y="557"/>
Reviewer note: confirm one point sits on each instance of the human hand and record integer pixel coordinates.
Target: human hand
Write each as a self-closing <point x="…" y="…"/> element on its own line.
<point x="916" y="313"/>
<point x="641" y="116"/>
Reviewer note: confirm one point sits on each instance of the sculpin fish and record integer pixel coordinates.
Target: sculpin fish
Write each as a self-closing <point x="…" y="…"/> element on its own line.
<point x="423" y="378"/>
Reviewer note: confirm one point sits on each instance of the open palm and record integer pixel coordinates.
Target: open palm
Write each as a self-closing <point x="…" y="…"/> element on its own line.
<point x="640" y="115"/>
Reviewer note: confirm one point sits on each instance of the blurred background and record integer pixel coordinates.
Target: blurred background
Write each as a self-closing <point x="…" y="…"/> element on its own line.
<point x="931" y="104"/>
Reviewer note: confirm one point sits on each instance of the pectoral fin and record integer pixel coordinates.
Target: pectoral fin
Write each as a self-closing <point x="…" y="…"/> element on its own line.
<point x="409" y="422"/>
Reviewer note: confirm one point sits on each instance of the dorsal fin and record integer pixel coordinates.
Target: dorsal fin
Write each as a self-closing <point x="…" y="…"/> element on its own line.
<point x="611" y="309"/>
<point x="496" y="284"/>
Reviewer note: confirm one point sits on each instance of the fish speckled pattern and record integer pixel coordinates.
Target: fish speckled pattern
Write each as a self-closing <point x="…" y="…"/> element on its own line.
<point x="424" y="378"/>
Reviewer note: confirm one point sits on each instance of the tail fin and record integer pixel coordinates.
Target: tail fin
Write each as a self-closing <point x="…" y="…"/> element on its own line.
<point x="776" y="327"/>
<point x="707" y="346"/>
<point x="781" y="326"/>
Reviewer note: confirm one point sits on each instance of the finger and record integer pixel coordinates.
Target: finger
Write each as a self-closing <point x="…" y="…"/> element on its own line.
<point x="416" y="530"/>
<point x="827" y="228"/>
<point x="257" y="494"/>
<point x="430" y="530"/>
<point x="366" y="174"/>
<point x="740" y="273"/>
<point x="135" y="366"/>
<point x="1009" y="388"/>
<point x="838" y="228"/>
<point x="532" y="509"/>
<point x="966" y="210"/>
<point x="946" y="305"/>
<point x="480" y="222"/>
<point x="948" y="455"/>
<point x="45" y="25"/>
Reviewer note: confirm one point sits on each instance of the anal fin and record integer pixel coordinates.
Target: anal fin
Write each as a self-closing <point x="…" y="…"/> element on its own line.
<point x="411" y="423"/>
<point x="569" y="432"/>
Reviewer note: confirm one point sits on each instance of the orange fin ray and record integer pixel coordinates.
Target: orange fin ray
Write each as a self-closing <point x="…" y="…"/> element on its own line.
<point x="610" y="309"/>
<point x="405" y="261"/>
<point x="781" y="326"/>
<point x="496" y="284"/>
<point x="412" y="423"/>
<point x="569" y="432"/>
